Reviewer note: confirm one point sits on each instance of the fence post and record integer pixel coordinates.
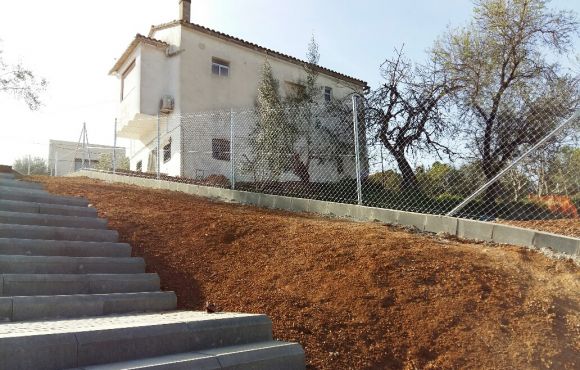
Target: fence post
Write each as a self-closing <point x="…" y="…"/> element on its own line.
<point x="158" y="147"/>
<point x="356" y="149"/>
<point x="232" y="154"/>
<point x="115" y="148"/>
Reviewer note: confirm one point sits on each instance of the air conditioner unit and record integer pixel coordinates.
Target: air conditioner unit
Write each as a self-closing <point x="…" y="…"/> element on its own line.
<point x="167" y="103"/>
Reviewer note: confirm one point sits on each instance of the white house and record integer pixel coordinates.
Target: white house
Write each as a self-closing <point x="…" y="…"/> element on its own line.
<point x="69" y="156"/>
<point x="196" y="69"/>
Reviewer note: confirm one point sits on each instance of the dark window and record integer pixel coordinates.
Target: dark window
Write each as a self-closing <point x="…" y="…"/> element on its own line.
<point x="167" y="151"/>
<point x="295" y="90"/>
<point x="79" y="164"/>
<point x="327" y="94"/>
<point x="220" y="67"/>
<point x="139" y="167"/>
<point x="220" y="149"/>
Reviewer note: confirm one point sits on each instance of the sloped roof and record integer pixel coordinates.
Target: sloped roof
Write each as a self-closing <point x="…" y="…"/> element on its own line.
<point x="136" y="41"/>
<point x="256" y="47"/>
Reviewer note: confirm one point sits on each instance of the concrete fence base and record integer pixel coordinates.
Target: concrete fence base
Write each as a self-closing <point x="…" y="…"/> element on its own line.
<point x="462" y="228"/>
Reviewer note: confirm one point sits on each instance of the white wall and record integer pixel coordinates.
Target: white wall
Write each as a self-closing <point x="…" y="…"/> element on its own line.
<point x="63" y="154"/>
<point x="187" y="77"/>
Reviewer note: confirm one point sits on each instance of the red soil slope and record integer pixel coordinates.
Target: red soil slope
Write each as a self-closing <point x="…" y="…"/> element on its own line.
<point x="355" y="295"/>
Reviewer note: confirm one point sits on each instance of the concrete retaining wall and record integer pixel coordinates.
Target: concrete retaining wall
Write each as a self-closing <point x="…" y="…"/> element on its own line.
<point x="463" y="228"/>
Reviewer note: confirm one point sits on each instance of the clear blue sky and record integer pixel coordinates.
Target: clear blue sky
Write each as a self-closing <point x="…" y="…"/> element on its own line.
<point x="74" y="43"/>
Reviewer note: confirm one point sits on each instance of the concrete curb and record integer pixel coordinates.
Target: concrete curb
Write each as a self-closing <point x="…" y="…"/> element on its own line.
<point x="463" y="228"/>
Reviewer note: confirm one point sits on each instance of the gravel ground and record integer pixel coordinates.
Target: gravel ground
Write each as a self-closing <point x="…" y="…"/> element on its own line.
<point x="355" y="295"/>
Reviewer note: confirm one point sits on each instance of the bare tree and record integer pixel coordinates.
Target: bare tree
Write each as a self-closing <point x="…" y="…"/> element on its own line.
<point x="21" y="82"/>
<point x="406" y="114"/>
<point x="507" y="93"/>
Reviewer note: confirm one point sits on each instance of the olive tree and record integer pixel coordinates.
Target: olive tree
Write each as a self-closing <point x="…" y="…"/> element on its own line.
<point x="507" y="92"/>
<point x="22" y="83"/>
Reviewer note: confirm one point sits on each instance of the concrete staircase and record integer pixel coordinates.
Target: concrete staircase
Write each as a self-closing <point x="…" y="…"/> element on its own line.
<point x="71" y="296"/>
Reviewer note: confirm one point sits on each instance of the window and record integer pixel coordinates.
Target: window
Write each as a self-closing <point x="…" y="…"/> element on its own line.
<point x="139" y="167"/>
<point x="220" y="149"/>
<point x="128" y="80"/>
<point x="79" y="163"/>
<point x="167" y="151"/>
<point x="327" y="94"/>
<point x="220" y="67"/>
<point x="295" y="90"/>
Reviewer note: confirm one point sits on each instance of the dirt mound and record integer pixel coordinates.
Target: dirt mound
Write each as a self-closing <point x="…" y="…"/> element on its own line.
<point x="355" y="295"/>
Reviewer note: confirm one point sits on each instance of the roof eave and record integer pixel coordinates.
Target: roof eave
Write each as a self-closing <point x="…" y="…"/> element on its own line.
<point x="132" y="46"/>
<point x="360" y="83"/>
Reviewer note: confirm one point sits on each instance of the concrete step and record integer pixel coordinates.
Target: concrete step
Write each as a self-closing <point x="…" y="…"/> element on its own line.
<point x="81" y="305"/>
<point x="37" y="247"/>
<point x="13" y="285"/>
<point x="23" y="190"/>
<point x="57" y="233"/>
<point x="20" y="184"/>
<point x="19" y="218"/>
<point x="70" y="265"/>
<point x="46" y="208"/>
<point x="255" y="356"/>
<point x="83" y="342"/>
<point x="40" y="196"/>
<point x="9" y="176"/>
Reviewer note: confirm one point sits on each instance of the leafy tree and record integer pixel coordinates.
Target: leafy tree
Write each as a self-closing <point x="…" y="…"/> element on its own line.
<point x="22" y="83"/>
<point x="508" y="95"/>
<point x="105" y="162"/>
<point x="406" y="113"/>
<point x="37" y="165"/>
<point x="389" y="179"/>
<point x="301" y="102"/>
<point x="295" y="131"/>
<point x="563" y="174"/>
<point x="273" y="138"/>
<point x="324" y="131"/>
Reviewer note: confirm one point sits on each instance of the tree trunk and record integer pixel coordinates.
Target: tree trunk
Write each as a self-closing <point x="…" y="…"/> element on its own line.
<point x="490" y="169"/>
<point x="410" y="182"/>
<point x="300" y="169"/>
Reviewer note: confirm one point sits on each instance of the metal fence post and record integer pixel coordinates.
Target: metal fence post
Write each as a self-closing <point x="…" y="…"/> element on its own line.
<point x="356" y="149"/>
<point x="158" y="147"/>
<point x="115" y="148"/>
<point x="232" y="154"/>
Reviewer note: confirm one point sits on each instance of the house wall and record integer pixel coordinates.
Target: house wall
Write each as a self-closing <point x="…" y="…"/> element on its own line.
<point x="187" y="76"/>
<point x="203" y="91"/>
<point x="131" y="103"/>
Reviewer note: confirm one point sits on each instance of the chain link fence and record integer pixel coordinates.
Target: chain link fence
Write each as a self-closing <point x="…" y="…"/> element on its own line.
<point x="528" y="176"/>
